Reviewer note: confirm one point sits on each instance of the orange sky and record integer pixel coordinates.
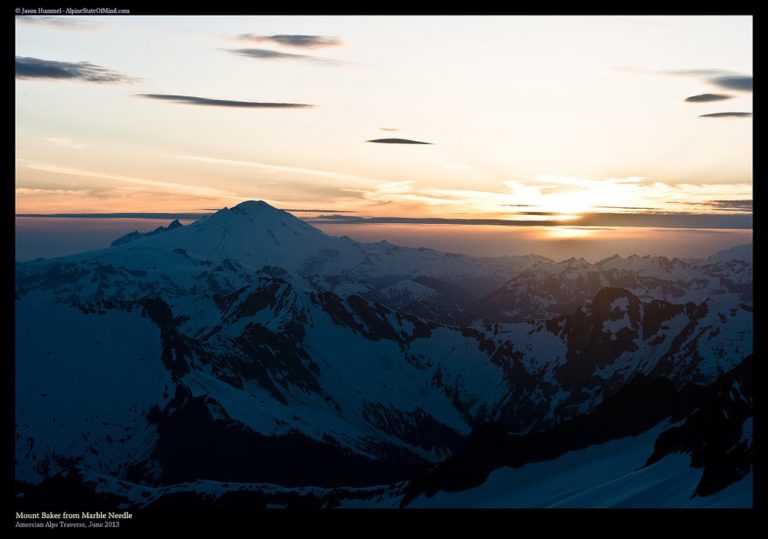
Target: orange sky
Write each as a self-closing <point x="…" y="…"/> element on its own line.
<point x="540" y="114"/>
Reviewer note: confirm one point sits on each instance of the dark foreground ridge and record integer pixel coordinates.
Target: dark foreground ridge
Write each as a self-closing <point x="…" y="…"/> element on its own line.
<point x="641" y="404"/>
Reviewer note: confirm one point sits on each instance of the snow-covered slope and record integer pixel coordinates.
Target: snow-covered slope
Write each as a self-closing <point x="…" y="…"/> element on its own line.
<point x="684" y="448"/>
<point x="607" y="475"/>
<point x="84" y="384"/>
<point x="176" y="356"/>
<point x="259" y="239"/>
<point x="546" y="289"/>
<point x="740" y="252"/>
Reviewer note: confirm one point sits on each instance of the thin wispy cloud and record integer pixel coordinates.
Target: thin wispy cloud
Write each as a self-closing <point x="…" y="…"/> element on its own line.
<point x="388" y="129"/>
<point x="585" y="183"/>
<point x="455" y="166"/>
<point x="187" y="189"/>
<point x="400" y="188"/>
<point x="667" y="220"/>
<point x="741" y="206"/>
<point x="396" y="141"/>
<point x="560" y="194"/>
<point x="722" y="78"/>
<point x="355" y="220"/>
<point x="719" y="77"/>
<point x="299" y="41"/>
<point x="277" y="168"/>
<point x="60" y="23"/>
<point x="314" y="210"/>
<point x="32" y="191"/>
<point x="35" y="68"/>
<point x="625" y="208"/>
<point x="208" y="102"/>
<point x="538" y="213"/>
<point x="707" y="98"/>
<point x="734" y="82"/>
<point x="694" y="72"/>
<point x="727" y="115"/>
<point x="644" y="220"/>
<point x="116" y="215"/>
<point x="267" y="54"/>
<point x="64" y="142"/>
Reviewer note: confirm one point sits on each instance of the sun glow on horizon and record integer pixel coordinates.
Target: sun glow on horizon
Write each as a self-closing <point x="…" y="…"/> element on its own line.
<point x="569" y="232"/>
<point x="561" y="131"/>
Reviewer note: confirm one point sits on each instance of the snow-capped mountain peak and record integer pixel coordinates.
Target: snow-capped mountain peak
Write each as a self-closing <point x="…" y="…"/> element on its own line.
<point x="256" y="216"/>
<point x="253" y="233"/>
<point x="740" y="252"/>
<point x="274" y="339"/>
<point x="259" y="213"/>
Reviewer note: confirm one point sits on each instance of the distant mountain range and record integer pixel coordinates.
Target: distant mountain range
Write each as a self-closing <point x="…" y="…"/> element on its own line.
<point x="249" y="359"/>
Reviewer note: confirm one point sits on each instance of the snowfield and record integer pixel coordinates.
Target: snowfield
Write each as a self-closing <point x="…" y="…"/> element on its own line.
<point x="249" y="345"/>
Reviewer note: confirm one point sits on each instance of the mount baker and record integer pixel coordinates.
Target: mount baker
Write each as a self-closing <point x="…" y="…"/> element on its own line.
<point x="249" y="359"/>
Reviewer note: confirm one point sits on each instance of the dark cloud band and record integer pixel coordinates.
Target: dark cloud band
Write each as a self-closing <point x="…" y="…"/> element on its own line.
<point x="734" y="82"/>
<point x="727" y="115"/>
<point x="724" y="79"/>
<point x="63" y="23"/>
<point x="741" y="206"/>
<point x="35" y="68"/>
<point x="294" y="40"/>
<point x="396" y="141"/>
<point x="707" y="98"/>
<point x="206" y="102"/>
<point x="665" y="220"/>
<point x="267" y="54"/>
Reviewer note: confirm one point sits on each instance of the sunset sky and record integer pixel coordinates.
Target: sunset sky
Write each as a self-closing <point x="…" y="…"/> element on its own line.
<point x="528" y="118"/>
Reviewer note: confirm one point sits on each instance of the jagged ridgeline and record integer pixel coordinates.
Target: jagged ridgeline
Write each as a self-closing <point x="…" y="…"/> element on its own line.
<point x="249" y="359"/>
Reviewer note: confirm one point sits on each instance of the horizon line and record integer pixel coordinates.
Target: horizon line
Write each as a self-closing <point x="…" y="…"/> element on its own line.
<point x="662" y="220"/>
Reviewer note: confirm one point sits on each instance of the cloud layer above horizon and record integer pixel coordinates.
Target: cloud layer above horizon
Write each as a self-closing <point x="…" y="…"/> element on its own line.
<point x="268" y="54"/>
<point x="707" y="98"/>
<point x="558" y="131"/>
<point x="208" y="102"/>
<point x="718" y="77"/>
<point x="36" y="68"/>
<point x="59" y="23"/>
<point x="299" y="41"/>
<point x="396" y="141"/>
<point x="727" y="115"/>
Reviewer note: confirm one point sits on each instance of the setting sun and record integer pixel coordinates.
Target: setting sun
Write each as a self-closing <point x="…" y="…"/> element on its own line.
<point x="570" y="232"/>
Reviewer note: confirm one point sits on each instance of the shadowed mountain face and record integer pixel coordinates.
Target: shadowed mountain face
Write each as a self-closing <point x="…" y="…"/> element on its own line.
<point x="131" y="236"/>
<point x="718" y="437"/>
<point x="251" y="348"/>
